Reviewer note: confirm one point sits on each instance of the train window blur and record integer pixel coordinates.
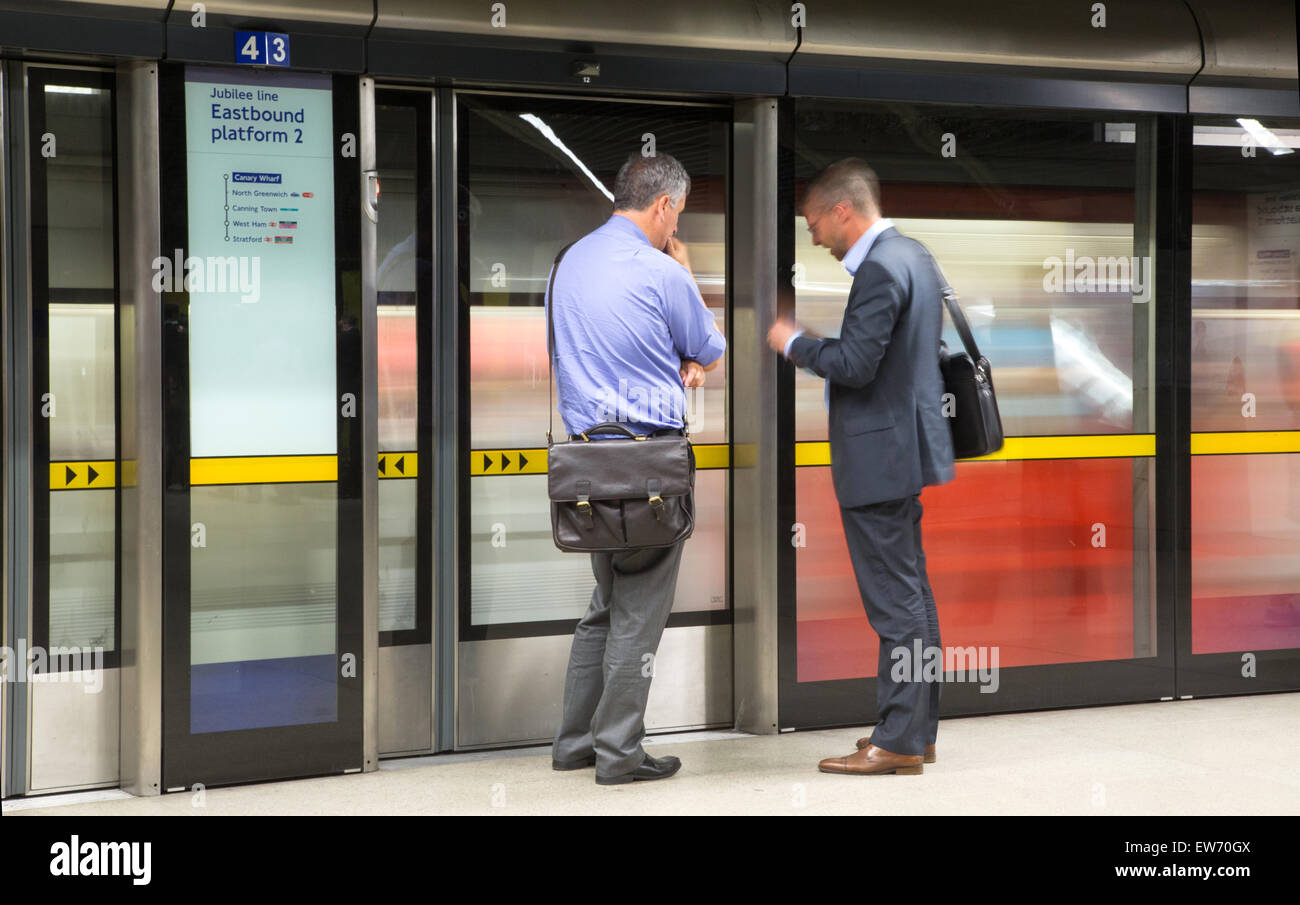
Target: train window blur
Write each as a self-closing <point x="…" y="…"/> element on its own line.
<point x="1015" y="197"/>
<point x="535" y="174"/>
<point x="1245" y="378"/>
<point x="396" y="149"/>
<point x="1034" y="221"/>
<point x="78" y="221"/>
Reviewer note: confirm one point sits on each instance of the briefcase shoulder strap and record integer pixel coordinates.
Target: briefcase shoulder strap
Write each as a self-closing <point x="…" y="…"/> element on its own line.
<point x="550" y="344"/>
<point x="955" y="312"/>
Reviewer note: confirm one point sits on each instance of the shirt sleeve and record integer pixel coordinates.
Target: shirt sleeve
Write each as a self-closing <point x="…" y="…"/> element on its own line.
<point x="690" y="322"/>
<point x="793" y="336"/>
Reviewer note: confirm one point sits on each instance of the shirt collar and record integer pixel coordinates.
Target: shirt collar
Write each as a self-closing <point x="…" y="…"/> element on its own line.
<point x="858" y="253"/>
<point x="627" y="227"/>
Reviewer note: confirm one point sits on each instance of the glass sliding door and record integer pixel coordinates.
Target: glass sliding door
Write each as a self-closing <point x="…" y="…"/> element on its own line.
<point x="1041" y="555"/>
<point x="1243" y="631"/>
<point x="75" y="612"/>
<point x="407" y="349"/>
<point x="536" y="173"/>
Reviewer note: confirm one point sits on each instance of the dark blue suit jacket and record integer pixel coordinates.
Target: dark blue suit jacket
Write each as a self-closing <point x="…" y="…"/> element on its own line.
<point x="888" y="435"/>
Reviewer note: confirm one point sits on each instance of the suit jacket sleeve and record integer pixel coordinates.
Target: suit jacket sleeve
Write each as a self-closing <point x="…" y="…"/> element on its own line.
<point x="875" y="302"/>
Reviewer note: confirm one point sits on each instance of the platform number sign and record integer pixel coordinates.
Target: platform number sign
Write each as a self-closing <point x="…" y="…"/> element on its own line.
<point x="261" y="48"/>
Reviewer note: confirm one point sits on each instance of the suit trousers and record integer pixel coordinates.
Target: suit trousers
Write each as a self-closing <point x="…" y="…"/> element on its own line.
<point x="885" y="545"/>
<point x="608" y="679"/>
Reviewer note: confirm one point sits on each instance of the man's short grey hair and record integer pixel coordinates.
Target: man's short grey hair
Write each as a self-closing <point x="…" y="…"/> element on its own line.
<point x="643" y="179"/>
<point x="848" y="180"/>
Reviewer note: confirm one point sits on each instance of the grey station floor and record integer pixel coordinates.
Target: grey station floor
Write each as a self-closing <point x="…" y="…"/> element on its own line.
<point x="1211" y="756"/>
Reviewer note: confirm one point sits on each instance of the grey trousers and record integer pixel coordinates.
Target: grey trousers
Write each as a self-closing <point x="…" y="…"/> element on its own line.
<point x="611" y="662"/>
<point x="885" y="546"/>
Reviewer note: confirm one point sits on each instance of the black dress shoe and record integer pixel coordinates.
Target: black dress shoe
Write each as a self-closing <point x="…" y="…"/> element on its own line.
<point x="580" y="763"/>
<point x="651" y="768"/>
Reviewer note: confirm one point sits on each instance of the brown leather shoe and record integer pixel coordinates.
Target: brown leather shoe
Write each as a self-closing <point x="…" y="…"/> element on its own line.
<point x="872" y="760"/>
<point x="930" y="755"/>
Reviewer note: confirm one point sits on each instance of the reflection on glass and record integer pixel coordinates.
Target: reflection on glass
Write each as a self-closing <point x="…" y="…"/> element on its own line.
<point x="1032" y="220"/>
<point x="1010" y="556"/>
<point x="519" y="576"/>
<point x="1245" y="377"/>
<point x="396" y="281"/>
<point x="81" y="412"/>
<point x="262" y="606"/>
<point x="1245" y="283"/>
<point x="1245" y="553"/>
<point x="537" y="174"/>
<point x="1032" y="224"/>
<point x="82" y="548"/>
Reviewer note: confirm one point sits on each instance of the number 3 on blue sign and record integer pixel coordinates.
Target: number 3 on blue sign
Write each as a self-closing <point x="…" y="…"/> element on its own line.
<point x="260" y="48"/>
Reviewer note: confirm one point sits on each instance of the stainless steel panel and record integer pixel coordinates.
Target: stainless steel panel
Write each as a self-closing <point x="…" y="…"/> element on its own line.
<point x="510" y="691"/>
<point x="756" y="528"/>
<point x="75" y="730"/>
<point x="6" y="486"/>
<point x="405" y="699"/>
<point x="82" y="6"/>
<point x="18" y="453"/>
<point x="336" y="12"/>
<point x="738" y="25"/>
<point x="140" y="357"/>
<point x="1252" y="41"/>
<point x="445" y="539"/>
<point x="369" y="434"/>
<point x="1154" y="36"/>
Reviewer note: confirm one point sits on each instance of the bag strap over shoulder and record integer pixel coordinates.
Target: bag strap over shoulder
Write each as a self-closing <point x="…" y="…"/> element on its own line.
<point x="955" y="312"/>
<point x="550" y="344"/>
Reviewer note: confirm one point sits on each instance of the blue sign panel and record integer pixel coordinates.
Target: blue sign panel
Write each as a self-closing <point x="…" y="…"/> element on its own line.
<point x="261" y="48"/>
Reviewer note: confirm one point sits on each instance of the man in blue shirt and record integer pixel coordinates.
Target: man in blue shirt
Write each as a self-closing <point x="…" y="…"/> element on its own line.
<point x="631" y="333"/>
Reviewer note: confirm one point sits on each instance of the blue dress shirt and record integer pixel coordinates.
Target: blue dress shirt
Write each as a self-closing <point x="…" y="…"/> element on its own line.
<point x="852" y="261"/>
<point x="626" y="315"/>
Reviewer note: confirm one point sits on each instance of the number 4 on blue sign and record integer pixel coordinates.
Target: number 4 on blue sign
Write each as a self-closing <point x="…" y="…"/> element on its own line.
<point x="261" y="48"/>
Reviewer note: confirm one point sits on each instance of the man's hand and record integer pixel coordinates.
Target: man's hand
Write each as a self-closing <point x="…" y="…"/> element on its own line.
<point x="692" y="373"/>
<point x="676" y="249"/>
<point x="780" y="334"/>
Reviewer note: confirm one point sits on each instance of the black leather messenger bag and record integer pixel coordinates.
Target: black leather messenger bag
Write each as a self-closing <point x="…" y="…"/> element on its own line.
<point x="968" y="377"/>
<point x="627" y="493"/>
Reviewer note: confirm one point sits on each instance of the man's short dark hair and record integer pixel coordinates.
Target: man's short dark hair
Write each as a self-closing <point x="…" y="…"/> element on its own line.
<point x="643" y="179"/>
<point x="848" y="180"/>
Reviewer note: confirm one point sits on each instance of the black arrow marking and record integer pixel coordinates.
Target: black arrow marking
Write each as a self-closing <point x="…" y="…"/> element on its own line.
<point x="487" y="461"/>
<point x="91" y="474"/>
<point x="71" y="475"/>
<point x="522" y="461"/>
<point x="505" y="461"/>
<point x="398" y="464"/>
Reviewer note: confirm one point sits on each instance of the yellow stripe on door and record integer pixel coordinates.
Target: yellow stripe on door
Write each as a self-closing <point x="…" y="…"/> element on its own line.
<point x="1232" y="442"/>
<point x="100" y="474"/>
<point x="263" y="470"/>
<point x="1083" y="446"/>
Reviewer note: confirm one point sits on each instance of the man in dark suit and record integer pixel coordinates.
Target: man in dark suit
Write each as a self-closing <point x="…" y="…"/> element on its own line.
<point x="888" y="439"/>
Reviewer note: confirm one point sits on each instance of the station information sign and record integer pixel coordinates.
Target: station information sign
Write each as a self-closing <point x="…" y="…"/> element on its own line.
<point x="260" y="264"/>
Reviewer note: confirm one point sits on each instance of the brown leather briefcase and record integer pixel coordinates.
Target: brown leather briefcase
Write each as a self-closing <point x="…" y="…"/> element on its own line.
<point x="621" y="493"/>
